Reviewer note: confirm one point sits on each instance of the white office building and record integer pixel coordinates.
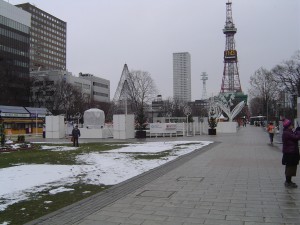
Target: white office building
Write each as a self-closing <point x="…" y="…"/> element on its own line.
<point x="100" y="88"/>
<point x="92" y="88"/>
<point x="182" y="76"/>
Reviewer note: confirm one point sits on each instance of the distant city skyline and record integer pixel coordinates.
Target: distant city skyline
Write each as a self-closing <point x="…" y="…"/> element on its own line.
<point x="103" y="35"/>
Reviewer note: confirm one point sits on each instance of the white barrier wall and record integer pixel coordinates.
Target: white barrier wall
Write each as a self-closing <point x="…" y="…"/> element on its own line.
<point x="227" y="127"/>
<point x="91" y="133"/>
<point x="205" y="126"/>
<point x="123" y="126"/>
<point x="160" y="128"/>
<point x="163" y="128"/>
<point x="191" y="129"/>
<point x="55" y="127"/>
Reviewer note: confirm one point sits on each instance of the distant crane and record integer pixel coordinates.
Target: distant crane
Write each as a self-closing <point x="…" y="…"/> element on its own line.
<point x="204" y="79"/>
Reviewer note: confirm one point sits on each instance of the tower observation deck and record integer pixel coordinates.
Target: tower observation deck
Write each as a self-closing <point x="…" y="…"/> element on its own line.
<point x="231" y="80"/>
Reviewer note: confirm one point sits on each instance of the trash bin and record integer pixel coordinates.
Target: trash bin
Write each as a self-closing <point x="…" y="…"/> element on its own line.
<point x="44" y="131"/>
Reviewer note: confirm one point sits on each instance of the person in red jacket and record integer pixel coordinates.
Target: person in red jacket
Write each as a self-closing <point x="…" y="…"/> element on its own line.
<point x="290" y="152"/>
<point x="271" y="131"/>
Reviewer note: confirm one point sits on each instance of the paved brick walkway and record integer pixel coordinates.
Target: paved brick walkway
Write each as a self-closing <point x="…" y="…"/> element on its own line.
<point x="238" y="180"/>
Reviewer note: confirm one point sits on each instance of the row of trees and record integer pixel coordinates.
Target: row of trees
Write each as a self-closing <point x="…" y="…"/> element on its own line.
<point x="139" y="90"/>
<point x="273" y="92"/>
<point x="139" y="96"/>
<point x="62" y="98"/>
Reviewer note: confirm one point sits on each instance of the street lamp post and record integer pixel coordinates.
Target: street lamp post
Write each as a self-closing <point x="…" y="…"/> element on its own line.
<point x="168" y="114"/>
<point x="78" y="117"/>
<point x="152" y="114"/>
<point x="267" y="112"/>
<point x="2" y="132"/>
<point x="36" y="124"/>
<point x="294" y="104"/>
<point x="150" y="109"/>
<point x="187" y="111"/>
<point x="298" y="107"/>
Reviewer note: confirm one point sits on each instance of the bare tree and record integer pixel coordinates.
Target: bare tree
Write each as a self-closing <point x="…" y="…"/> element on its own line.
<point x="287" y="74"/>
<point x="141" y="91"/>
<point x="105" y="106"/>
<point x="167" y="107"/>
<point x="58" y="97"/>
<point x="265" y="88"/>
<point x="255" y="106"/>
<point x="41" y="91"/>
<point x="178" y="107"/>
<point x="66" y="99"/>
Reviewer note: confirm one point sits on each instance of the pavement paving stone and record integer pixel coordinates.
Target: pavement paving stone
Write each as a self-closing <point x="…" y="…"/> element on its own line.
<point x="186" y="220"/>
<point x="132" y="221"/>
<point x="149" y="217"/>
<point x="161" y="223"/>
<point x="255" y="223"/>
<point x="238" y="180"/>
<point x="98" y="222"/>
<point x="223" y="222"/>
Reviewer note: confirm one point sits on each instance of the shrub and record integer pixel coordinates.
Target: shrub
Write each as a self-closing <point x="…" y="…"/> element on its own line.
<point x="21" y="138"/>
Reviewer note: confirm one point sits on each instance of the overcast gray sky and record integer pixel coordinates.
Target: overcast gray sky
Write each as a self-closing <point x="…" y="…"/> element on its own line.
<point x="102" y="35"/>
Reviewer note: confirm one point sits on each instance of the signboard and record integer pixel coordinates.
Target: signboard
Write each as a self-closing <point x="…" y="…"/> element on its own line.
<point x="230" y="55"/>
<point x="33" y="115"/>
<point x="14" y="115"/>
<point x="160" y="128"/>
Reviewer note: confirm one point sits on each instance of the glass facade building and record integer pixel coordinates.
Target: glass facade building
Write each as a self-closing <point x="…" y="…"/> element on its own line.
<point x="14" y="55"/>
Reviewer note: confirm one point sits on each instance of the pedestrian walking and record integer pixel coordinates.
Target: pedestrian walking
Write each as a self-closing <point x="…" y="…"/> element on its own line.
<point x="75" y="136"/>
<point x="290" y="152"/>
<point x="271" y="131"/>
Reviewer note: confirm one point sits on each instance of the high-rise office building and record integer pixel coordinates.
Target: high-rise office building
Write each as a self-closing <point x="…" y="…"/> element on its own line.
<point x="47" y="40"/>
<point x="182" y="76"/>
<point x="14" y="55"/>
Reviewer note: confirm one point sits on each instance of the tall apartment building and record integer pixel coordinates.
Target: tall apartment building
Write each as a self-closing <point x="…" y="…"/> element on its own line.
<point x="182" y="76"/>
<point x="47" y="40"/>
<point x="14" y="55"/>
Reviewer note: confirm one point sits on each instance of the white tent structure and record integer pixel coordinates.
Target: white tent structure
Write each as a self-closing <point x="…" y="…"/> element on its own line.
<point x="94" y="118"/>
<point x="94" y="125"/>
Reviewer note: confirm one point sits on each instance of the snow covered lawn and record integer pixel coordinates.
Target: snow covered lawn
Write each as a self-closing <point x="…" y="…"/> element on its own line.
<point x="99" y="168"/>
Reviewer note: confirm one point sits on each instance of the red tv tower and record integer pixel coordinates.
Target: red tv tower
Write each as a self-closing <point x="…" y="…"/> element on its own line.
<point x="231" y="80"/>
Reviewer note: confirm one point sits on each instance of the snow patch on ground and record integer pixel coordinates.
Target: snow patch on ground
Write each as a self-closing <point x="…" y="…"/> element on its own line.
<point x="106" y="168"/>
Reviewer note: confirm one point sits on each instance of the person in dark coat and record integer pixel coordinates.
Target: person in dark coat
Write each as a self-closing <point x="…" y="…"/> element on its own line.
<point x="290" y="152"/>
<point x="75" y="135"/>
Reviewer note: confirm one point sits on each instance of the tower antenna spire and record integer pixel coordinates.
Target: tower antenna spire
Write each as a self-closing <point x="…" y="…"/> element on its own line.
<point x="231" y="80"/>
<point x="204" y="78"/>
